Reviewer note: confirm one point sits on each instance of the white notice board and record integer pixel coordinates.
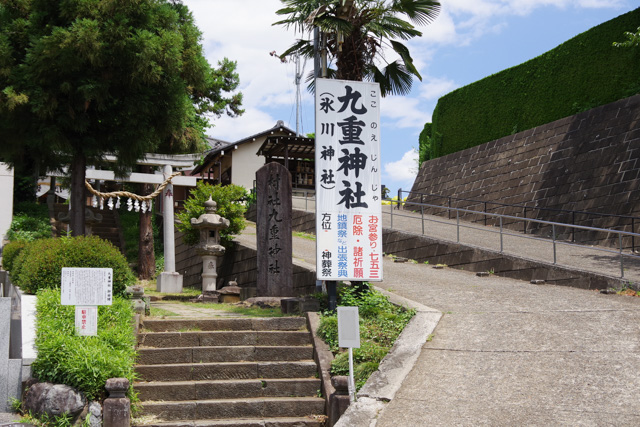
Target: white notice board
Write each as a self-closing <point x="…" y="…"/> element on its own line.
<point x="86" y="286"/>
<point x="348" y="327"/>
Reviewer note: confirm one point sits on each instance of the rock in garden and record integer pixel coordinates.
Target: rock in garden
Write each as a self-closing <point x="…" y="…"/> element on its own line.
<point x="54" y="400"/>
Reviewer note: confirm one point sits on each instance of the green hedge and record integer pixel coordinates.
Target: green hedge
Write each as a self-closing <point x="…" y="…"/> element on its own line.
<point x="582" y="73"/>
<point x="10" y="252"/>
<point x="83" y="362"/>
<point x="39" y="264"/>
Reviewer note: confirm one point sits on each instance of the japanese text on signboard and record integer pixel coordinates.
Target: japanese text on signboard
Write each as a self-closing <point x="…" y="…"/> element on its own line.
<point x="349" y="225"/>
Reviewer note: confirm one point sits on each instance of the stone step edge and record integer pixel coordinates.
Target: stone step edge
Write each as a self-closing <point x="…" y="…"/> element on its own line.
<point x="240" y="332"/>
<point x="232" y="324"/>
<point x="204" y="347"/>
<point x="247" y="399"/>
<point x="263" y="362"/>
<point x="222" y="382"/>
<point x="317" y="420"/>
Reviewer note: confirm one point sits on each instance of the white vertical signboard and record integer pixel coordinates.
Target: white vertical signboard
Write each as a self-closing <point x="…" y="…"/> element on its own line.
<point x="348" y="205"/>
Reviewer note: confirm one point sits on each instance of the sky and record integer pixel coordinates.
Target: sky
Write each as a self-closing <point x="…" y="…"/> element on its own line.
<point x="469" y="40"/>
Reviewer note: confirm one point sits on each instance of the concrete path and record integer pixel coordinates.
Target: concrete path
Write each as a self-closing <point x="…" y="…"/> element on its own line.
<point x="601" y="260"/>
<point x="507" y="352"/>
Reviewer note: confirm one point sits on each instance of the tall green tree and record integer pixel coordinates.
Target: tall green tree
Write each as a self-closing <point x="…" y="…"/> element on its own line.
<point x="83" y="78"/>
<point x="357" y="34"/>
<point x="633" y="39"/>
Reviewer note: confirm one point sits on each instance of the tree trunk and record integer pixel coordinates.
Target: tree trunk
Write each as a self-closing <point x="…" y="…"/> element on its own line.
<point x="78" y="170"/>
<point x="146" y="255"/>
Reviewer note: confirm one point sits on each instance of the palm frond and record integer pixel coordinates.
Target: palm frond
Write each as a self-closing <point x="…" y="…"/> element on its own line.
<point x="394" y="79"/>
<point x="302" y="47"/>
<point x="403" y="51"/>
<point x="311" y="79"/>
<point x="393" y="27"/>
<point x="422" y="12"/>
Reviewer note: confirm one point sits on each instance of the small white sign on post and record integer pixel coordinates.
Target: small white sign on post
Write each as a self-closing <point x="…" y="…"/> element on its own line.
<point x="349" y="337"/>
<point x="86" y="288"/>
<point x="87" y="320"/>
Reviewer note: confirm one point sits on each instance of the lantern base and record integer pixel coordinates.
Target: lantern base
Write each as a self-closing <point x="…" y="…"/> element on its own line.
<point x="170" y="283"/>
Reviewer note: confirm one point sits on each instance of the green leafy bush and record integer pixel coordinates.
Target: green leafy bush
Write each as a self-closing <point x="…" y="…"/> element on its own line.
<point x="32" y="209"/>
<point x="582" y="73"/>
<point x="381" y="322"/>
<point x="328" y="331"/>
<point x="30" y="222"/>
<point x="83" y="362"/>
<point x="231" y="204"/>
<point x="39" y="264"/>
<point x="27" y="228"/>
<point x="9" y="253"/>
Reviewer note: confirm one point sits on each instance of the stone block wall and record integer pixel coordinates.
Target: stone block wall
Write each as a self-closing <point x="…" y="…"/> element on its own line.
<point x="586" y="163"/>
<point x="300" y="220"/>
<point x="239" y="263"/>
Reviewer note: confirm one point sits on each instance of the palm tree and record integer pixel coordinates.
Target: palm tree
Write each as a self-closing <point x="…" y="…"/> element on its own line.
<point x="357" y="33"/>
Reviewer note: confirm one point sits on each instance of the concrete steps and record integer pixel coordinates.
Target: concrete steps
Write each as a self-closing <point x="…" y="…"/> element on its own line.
<point x="228" y="371"/>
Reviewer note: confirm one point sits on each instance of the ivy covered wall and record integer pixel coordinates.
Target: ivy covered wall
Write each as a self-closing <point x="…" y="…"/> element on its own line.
<point x="582" y="73"/>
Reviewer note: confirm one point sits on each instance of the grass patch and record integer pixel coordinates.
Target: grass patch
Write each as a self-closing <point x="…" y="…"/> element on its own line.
<point x="159" y="312"/>
<point x="381" y="322"/>
<point x="303" y="235"/>
<point x="83" y="362"/>
<point x="241" y="309"/>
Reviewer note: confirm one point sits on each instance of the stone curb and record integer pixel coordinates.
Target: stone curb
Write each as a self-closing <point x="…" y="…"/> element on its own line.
<point x="383" y="384"/>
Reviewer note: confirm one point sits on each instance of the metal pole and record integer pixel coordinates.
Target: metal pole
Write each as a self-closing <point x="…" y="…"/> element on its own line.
<point x="501" y="238"/>
<point x="525" y="220"/>
<point x="352" y="383"/>
<point x="553" y="230"/>
<point x="422" y="213"/>
<point x="485" y="214"/>
<point x="573" y="229"/>
<point x="399" y="197"/>
<point x="621" y="256"/>
<point x="332" y="294"/>
<point x="633" y="238"/>
<point x="458" y="225"/>
<point x="449" y="210"/>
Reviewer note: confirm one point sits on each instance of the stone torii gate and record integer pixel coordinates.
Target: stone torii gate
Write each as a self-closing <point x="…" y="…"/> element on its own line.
<point x="169" y="280"/>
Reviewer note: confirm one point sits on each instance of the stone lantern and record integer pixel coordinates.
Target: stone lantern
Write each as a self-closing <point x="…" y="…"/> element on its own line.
<point x="209" y="247"/>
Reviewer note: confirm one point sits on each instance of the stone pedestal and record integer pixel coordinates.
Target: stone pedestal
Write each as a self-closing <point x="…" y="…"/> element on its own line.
<point x="209" y="273"/>
<point x="117" y="407"/>
<point x="170" y="283"/>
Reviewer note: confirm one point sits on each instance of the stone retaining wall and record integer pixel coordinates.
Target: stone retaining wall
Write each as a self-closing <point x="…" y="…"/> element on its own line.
<point x="586" y="162"/>
<point x="240" y="264"/>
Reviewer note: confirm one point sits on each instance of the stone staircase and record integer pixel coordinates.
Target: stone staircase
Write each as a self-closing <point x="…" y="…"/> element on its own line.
<point x="245" y="372"/>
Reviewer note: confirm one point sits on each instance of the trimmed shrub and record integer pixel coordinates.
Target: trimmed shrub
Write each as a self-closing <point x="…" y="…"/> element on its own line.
<point x="39" y="264"/>
<point x="231" y="204"/>
<point x="9" y="253"/>
<point x="83" y="362"/>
